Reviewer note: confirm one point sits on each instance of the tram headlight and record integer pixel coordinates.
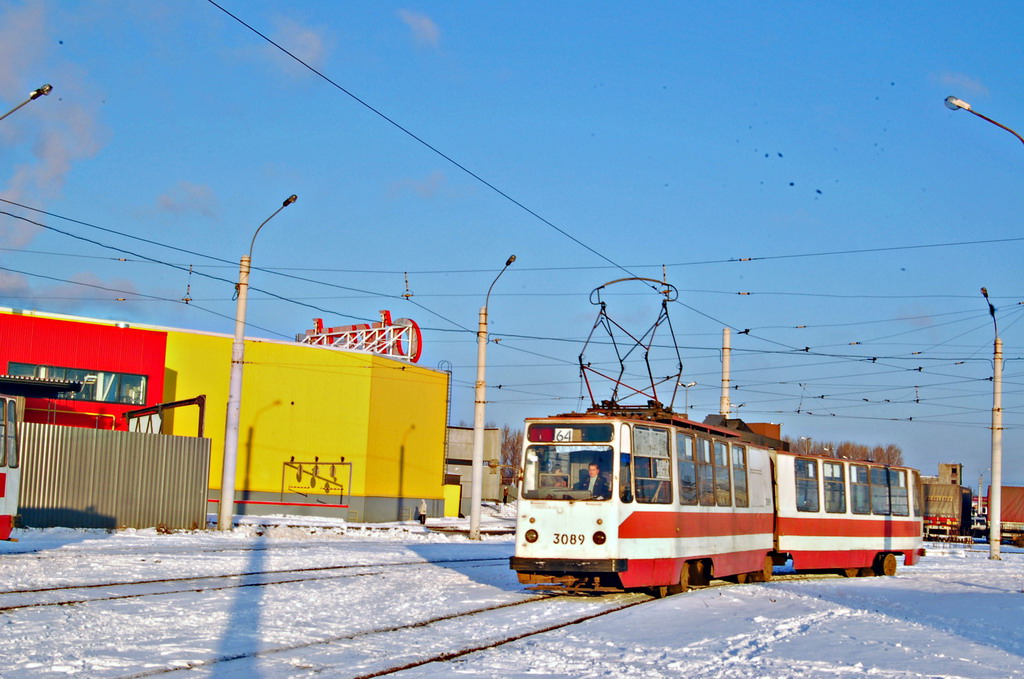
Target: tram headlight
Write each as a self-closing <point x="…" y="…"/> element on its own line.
<point x="600" y="537"/>
<point x="531" y="535"/>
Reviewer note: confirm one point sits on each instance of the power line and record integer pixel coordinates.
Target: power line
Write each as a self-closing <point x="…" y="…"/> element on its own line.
<point x="424" y="143"/>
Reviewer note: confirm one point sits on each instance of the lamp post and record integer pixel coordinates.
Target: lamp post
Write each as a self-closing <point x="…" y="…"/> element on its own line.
<point x="959" y="104"/>
<point x="476" y="492"/>
<point x="225" y="519"/>
<point x="686" y="389"/>
<point x="35" y="94"/>
<point x="995" y="496"/>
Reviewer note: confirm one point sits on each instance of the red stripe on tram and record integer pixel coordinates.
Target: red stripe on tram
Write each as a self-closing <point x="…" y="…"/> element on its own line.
<point x="693" y="524"/>
<point x="850" y="528"/>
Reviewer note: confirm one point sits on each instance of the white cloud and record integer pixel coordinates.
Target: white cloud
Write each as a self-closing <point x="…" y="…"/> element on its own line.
<point x="188" y="197"/>
<point x="84" y="293"/>
<point x="57" y="131"/>
<point x="426" y="187"/>
<point x="964" y="83"/>
<point x="308" y="44"/>
<point x="424" y="31"/>
<point x="22" y="40"/>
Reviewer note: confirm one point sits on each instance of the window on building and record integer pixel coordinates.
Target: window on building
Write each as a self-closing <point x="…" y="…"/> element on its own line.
<point x="99" y="385"/>
<point x="860" y="489"/>
<point x="880" y="491"/>
<point x="806" y="474"/>
<point x="687" y="469"/>
<point x="705" y="474"/>
<point x="835" y="487"/>
<point x="652" y="465"/>
<point x="739" y="475"/>
<point x="898" y="492"/>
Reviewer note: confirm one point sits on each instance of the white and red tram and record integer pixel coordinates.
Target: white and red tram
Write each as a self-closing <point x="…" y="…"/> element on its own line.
<point x="634" y="500"/>
<point x="10" y="472"/>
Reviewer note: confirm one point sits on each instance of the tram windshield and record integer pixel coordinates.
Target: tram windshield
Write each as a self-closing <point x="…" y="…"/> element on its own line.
<point x="568" y="472"/>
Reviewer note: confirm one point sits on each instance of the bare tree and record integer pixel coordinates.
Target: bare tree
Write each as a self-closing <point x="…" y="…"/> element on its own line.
<point x="511" y="453"/>
<point x="847" y="450"/>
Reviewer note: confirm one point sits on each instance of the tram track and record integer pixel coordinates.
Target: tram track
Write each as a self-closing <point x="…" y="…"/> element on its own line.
<point x="307" y="574"/>
<point x="379" y="644"/>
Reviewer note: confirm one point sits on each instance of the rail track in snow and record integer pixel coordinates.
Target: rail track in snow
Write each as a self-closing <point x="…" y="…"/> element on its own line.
<point x="66" y="595"/>
<point x="387" y="650"/>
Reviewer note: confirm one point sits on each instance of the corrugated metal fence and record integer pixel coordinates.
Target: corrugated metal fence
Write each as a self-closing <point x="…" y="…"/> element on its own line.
<point x="91" y="478"/>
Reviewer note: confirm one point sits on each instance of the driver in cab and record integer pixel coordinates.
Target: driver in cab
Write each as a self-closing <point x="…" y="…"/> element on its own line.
<point x="594" y="483"/>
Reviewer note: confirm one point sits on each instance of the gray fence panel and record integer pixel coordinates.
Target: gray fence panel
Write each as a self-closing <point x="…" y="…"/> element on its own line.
<point x="91" y="478"/>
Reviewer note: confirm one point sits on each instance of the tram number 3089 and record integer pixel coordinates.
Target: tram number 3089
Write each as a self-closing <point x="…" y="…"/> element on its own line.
<point x="568" y="539"/>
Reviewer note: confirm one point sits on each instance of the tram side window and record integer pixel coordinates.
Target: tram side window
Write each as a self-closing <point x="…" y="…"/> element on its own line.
<point x="705" y="474"/>
<point x="4" y="428"/>
<point x="652" y="465"/>
<point x="806" y="472"/>
<point x="687" y="470"/>
<point x="11" y="434"/>
<point x="917" y="493"/>
<point x="625" y="478"/>
<point x="835" y="487"/>
<point x="898" y="492"/>
<point x="880" y="491"/>
<point x="739" y="475"/>
<point x="723" y="485"/>
<point x="860" y="489"/>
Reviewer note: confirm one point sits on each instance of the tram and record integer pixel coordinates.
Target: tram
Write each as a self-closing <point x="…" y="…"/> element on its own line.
<point x="10" y="473"/>
<point x="646" y="499"/>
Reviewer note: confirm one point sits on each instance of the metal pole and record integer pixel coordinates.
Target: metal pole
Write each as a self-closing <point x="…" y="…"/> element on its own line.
<point x="995" y="495"/>
<point x="724" y="406"/>
<point x="476" y="491"/>
<point x="225" y="519"/>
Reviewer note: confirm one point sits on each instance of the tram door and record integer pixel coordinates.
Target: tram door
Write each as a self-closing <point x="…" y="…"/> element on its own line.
<point x="10" y="471"/>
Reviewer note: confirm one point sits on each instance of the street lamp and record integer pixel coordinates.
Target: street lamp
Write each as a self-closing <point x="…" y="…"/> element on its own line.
<point x="225" y="519"/>
<point x="959" y="104"/>
<point x="35" y="94"/>
<point x="686" y="387"/>
<point x="996" y="494"/>
<point x="476" y="492"/>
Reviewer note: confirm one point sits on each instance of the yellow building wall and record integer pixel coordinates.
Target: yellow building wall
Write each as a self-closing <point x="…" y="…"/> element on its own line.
<point x="386" y="417"/>
<point x="407" y="412"/>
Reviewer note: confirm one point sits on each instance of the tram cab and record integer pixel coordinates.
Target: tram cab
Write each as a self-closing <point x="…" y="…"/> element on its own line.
<point x="10" y="472"/>
<point x="626" y="502"/>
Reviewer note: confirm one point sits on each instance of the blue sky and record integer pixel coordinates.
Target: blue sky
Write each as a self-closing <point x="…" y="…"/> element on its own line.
<point x="810" y="138"/>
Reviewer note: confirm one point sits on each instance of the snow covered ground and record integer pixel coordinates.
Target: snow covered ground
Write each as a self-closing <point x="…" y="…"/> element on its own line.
<point x="332" y="601"/>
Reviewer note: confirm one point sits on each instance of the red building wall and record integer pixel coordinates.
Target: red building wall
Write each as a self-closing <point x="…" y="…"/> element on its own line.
<point x="72" y="344"/>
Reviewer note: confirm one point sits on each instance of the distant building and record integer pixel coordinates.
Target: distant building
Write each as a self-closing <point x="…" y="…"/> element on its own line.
<point x="323" y="431"/>
<point x="459" y="465"/>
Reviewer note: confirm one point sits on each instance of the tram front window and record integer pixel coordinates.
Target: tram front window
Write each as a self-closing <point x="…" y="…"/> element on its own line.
<point x="567" y="473"/>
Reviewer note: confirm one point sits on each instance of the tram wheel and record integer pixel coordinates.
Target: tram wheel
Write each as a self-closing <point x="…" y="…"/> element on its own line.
<point x="885" y="565"/>
<point x="700" y="573"/>
<point x="850" y="572"/>
<point x="685" y="580"/>
<point x="765" y="574"/>
<point x="660" y="592"/>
